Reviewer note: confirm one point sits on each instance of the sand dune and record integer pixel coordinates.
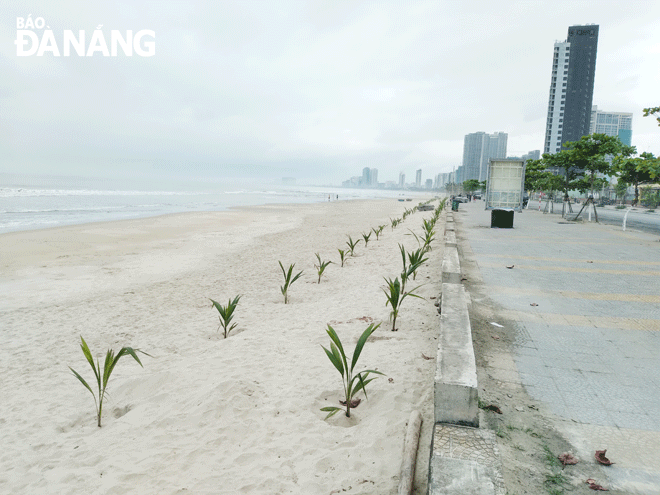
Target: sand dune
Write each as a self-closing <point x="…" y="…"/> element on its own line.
<point x="207" y="414"/>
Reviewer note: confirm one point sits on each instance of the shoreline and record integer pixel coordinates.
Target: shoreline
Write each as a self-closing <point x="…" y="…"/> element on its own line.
<point x="210" y="415"/>
<point x="43" y="211"/>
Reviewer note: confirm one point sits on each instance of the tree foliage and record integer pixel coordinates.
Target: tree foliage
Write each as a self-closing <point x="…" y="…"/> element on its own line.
<point x="538" y="178"/>
<point x="471" y="185"/>
<point x="564" y="163"/>
<point x="643" y="169"/>
<point x="652" y="111"/>
<point x="590" y="155"/>
<point x="621" y="189"/>
<point x="583" y="161"/>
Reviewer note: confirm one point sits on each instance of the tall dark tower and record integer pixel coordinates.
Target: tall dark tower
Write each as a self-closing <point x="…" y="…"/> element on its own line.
<point x="580" y="83"/>
<point x="571" y="87"/>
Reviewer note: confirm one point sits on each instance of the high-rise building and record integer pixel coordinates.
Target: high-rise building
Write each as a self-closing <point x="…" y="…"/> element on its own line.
<point x="418" y="178"/>
<point x="532" y="155"/>
<point x="571" y="87"/>
<point x="612" y="123"/>
<point x="402" y="180"/>
<point x="366" y="176"/>
<point x="373" y="175"/>
<point x="478" y="148"/>
<point x="496" y="148"/>
<point x="441" y="179"/>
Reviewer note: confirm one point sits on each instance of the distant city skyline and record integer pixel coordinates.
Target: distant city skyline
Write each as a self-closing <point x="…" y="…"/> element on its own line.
<point x="369" y="179"/>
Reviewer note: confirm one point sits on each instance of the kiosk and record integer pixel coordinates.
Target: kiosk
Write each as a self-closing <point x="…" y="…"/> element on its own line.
<point x="504" y="190"/>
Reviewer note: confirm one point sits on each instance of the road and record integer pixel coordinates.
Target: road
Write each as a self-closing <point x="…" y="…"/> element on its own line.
<point x="638" y="218"/>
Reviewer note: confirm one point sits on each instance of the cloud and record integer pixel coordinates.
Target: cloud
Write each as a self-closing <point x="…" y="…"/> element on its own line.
<point x="309" y="88"/>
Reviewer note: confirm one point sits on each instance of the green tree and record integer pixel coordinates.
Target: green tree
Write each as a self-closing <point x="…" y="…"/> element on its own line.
<point x="590" y="155"/>
<point x="583" y="160"/>
<point x="471" y="185"/>
<point x="636" y="170"/>
<point x="564" y="163"/>
<point x="550" y="183"/>
<point x="652" y="111"/>
<point x="538" y="178"/>
<point x="650" y="164"/>
<point x="620" y="189"/>
<point x="650" y="197"/>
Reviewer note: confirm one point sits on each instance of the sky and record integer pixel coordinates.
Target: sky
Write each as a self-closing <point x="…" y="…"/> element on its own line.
<point x="314" y="90"/>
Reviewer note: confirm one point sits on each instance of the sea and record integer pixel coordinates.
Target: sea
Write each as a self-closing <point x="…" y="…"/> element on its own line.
<point x="40" y="202"/>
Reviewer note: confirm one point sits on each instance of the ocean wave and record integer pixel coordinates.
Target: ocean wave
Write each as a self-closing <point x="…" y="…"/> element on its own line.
<point x="81" y="209"/>
<point x="16" y="192"/>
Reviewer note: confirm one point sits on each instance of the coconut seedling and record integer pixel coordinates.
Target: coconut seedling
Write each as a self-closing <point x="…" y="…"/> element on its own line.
<point x="410" y="264"/>
<point x="428" y="239"/>
<point x="378" y="231"/>
<point x="226" y="314"/>
<point x="342" y="256"/>
<point x="102" y="375"/>
<point x="366" y="238"/>
<point x="395" y="295"/>
<point x="288" y="280"/>
<point x="351" y="245"/>
<point x="415" y="260"/>
<point x="352" y="382"/>
<point x="320" y="268"/>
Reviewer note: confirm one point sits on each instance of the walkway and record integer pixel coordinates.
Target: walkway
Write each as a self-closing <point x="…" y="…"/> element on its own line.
<point x="586" y="299"/>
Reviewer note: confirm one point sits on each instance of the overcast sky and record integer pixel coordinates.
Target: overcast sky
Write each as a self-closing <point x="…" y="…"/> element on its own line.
<point x="316" y="90"/>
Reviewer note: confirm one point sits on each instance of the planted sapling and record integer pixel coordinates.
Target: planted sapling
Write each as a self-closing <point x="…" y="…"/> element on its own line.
<point x="226" y="314"/>
<point x="378" y="231"/>
<point x="395" y="295"/>
<point x="342" y="255"/>
<point x="366" y="238"/>
<point x="415" y="260"/>
<point x="410" y="265"/>
<point x="320" y="268"/>
<point x="352" y="383"/>
<point x="288" y="280"/>
<point x="103" y="375"/>
<point x="428" y="224"/>
<point x="351" y="245"/>
<point x="428" y="239"/>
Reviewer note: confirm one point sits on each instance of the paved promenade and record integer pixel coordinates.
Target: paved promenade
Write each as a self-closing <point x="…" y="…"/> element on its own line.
<point x="585" y="299"/>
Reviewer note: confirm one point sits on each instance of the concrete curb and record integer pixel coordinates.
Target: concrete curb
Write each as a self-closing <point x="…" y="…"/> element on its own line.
<point x="456" y="393"/>
<point x="463" y="457"/>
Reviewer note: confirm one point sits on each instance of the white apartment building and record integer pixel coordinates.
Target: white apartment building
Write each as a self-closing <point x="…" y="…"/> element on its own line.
<point x="612" y="123"/>
<point x="557" y="99"/>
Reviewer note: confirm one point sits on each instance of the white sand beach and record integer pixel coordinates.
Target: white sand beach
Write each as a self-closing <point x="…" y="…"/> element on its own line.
<point x="208" y="415"/>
